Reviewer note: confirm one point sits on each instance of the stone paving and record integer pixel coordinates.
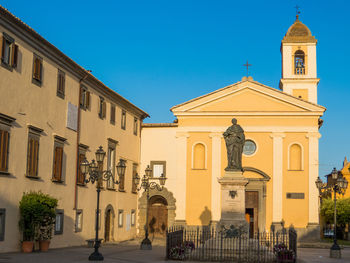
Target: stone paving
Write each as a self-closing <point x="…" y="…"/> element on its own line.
<point x="130" y="252"/>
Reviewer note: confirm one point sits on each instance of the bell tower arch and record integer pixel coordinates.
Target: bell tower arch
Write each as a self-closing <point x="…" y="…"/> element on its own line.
<point x="299" y="67"/>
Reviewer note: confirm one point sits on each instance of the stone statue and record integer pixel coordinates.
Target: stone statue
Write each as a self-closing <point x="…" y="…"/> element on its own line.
<point x="234" y="138"/>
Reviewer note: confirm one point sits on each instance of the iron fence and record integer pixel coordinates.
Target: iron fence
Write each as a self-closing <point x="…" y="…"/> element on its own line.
<point x="211" y="244"/>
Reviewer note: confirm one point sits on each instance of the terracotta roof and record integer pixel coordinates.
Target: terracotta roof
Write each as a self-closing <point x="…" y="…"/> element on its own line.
<point x="300" y="33"/>
<point x="5" y="14"/>
<point x="147" y="125"/>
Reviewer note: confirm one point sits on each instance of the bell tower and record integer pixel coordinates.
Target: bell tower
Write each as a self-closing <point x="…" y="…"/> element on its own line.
<point x="299" y="68"/>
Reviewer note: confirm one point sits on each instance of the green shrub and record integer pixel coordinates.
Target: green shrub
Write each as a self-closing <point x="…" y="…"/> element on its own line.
<point x="37" y="215"/>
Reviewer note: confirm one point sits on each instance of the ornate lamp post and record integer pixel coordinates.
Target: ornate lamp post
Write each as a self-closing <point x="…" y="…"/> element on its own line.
<point x="95" y="174"/>
<point x="339" y="186"/>
<point x="147" y="184"/>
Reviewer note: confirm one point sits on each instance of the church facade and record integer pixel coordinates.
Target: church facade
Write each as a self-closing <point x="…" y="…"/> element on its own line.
<point x="280" y="156"/>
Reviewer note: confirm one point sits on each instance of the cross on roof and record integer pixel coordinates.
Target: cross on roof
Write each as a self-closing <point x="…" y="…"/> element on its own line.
<point x="247" y="65"/>
<point x="297" y="9"/>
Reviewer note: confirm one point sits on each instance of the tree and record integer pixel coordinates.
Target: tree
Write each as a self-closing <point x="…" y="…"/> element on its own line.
<point x="343" y="211"/>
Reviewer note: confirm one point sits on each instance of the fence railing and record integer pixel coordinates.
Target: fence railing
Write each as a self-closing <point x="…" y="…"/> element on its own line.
<point x="210" y="244"/>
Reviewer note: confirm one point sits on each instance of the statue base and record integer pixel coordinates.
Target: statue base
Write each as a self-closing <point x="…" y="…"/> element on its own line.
<point x="233" y="199"/>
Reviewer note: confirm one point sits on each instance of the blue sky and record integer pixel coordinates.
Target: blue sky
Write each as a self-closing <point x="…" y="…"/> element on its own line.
<point x="159" y="53"/>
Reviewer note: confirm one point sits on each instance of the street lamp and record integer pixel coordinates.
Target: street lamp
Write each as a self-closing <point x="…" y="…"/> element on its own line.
<point x="146" y="184"/>
<point x="95" y="174"/>
<point x="338" y="185"/>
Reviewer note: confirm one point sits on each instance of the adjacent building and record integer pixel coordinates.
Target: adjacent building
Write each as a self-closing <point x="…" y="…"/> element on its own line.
<point x="54" y="113"/>
<point x="280" y="156"/>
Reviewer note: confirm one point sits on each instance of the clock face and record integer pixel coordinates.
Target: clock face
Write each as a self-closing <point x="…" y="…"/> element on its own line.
<point x="249" y="147"/>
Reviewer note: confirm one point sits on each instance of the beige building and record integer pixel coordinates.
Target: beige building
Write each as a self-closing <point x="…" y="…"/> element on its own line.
<point x="280" y="156"/>
<point x="53" y="113"/>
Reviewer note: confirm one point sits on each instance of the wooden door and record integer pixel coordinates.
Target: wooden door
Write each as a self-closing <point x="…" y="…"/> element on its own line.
<point x="157" y="219"/>
<point x="252" y="209"/>
<point x="108" y="226"/>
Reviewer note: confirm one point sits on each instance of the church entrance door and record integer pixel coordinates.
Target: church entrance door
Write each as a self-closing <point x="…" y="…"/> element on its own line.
<point x="252" y="209"/>
<point x="157" y="215"/>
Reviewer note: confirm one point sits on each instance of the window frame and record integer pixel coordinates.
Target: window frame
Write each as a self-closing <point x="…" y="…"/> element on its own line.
<point x="123" y="120"/>
<point x="113" y="111"/>
<point x="112" y="145"/>
<point x="77" y="228"/>
<point x="133" y="217"/>
<point x="58" y="143"/>
<point x="121" y="180"/>
<point x="33" y="134"/>
<point x="5" y="126"/>
<point x="82" y="151"/>
<point x="37" y="80"/>
<point x="3" y="220"/>
<point x="85" y="98"/>
<point x="61" y="213"/>
<point x="134" y="172"/>
<point x="102" y="108"/>
<point x="120" y="219"/>
<point x="61" y="78"/>
<point x="12" y="52"/>
<point x="152" y="163"/>
<point x="135" y="125"/>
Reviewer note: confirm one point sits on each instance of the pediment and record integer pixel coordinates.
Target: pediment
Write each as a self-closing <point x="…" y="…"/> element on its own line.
<point x="247" y="96"/>
<point x="249" y="100"/>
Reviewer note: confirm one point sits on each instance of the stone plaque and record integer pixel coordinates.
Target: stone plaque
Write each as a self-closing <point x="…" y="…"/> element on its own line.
<point x="72" y="117"/>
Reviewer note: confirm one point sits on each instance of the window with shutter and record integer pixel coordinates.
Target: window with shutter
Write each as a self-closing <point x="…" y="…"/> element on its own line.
<point x="135" y="126"/>
<point x="111" y="163"/>
<point x="9" y="52"/>
<point x="112" y="114"/>
<point x="123" y="120"/>
<point x="134" y="173"/>
<point x="5" y="129"/>
<point x="37" y="70"/>
<point x="102" y="108"/>
<point x="81" y="177"/>
<point x="122" y="181"/>
<point x="33" y="151"/>
<point x="60" y="84"/>
<point x="57" y="175"/>
<point x="4" y="142"/>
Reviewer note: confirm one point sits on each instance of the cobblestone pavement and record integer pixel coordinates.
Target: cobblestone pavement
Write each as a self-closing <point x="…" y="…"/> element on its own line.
<point x="130" y="252"/>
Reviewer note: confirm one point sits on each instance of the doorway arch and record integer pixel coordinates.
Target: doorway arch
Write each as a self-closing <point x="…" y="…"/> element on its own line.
<point x="109" y="224"/>
<point x="164" y="197"/>
<point x="157" y="215"/>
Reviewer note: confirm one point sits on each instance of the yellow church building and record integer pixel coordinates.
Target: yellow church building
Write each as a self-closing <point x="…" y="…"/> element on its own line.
<point x="280" y="157"/>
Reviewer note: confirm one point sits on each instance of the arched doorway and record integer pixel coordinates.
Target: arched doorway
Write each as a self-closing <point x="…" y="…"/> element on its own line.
<point x="157" y="215"/>
<point x="109" y="220"/>
<point x="143" y="207"/>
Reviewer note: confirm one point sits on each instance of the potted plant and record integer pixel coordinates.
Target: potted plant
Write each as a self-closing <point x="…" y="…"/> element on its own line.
<point x="27" y="222"/>
<point x="37" y="218"/>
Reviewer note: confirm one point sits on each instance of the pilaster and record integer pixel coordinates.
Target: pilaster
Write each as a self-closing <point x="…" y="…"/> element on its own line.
<point x="313" y="174"/>
<point x="277" y="178"/>
<point x="215" y="174"/>
<point x="181" y="167"/>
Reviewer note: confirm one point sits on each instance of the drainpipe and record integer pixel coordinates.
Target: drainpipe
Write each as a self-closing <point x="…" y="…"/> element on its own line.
<point x="78" y="141"/>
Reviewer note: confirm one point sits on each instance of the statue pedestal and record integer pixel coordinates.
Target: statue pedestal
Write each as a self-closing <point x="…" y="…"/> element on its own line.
<point x="233" y="199"/>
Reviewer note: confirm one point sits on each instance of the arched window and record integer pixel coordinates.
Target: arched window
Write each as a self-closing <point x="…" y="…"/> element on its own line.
<point x="295" y="157"/>
<point x="299" y="62"/>
<point x="199" y="156"/>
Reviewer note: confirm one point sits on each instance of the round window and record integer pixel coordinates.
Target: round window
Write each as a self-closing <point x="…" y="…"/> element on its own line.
<point x="249" y="147"/>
